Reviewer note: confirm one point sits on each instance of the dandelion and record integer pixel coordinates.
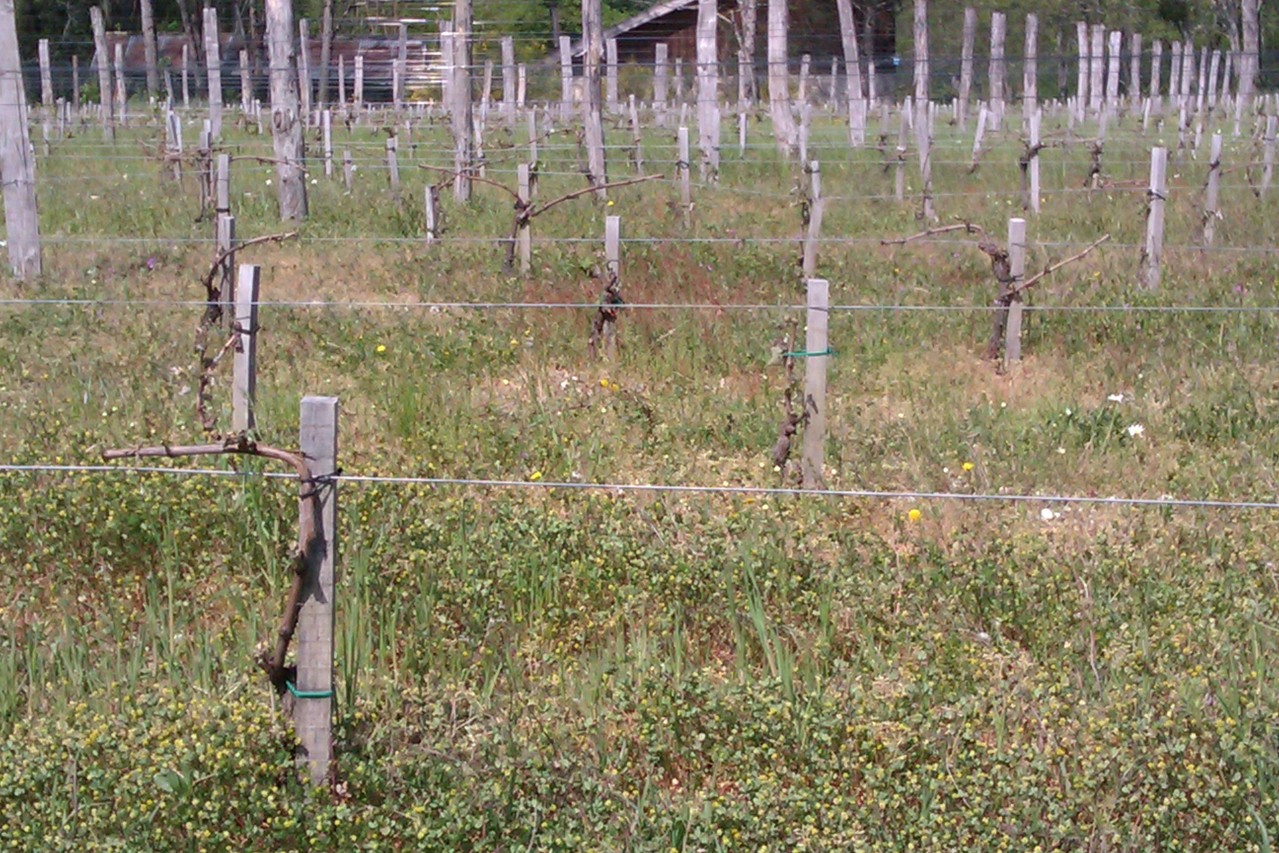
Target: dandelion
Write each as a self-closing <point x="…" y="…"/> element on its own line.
<point x="381" y="348"/>
<point x="613" y="386"/>
<point x="610" y="202"/>
<point x="535" y="476"/>
<point x="604" y="384"/>
<point x="914" y="515"/>
<point x="1135" y="430"/>
<point x="968" y="466"/>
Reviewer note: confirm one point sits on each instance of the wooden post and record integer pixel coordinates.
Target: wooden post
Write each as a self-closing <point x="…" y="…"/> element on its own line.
<point x="213" y="58"/>
<point x="1030" y="71"/>
<point x="610" y="74"/>
<point x="1268" y="154"/>
<point x="523" y="235"/>
<point x="186" y="76"/>
<point x="244" y="381"/>
<point x="742" y="120"/>
<point x="357" y="88"/>
<point x="430" y="208"/>
<point x="1097" y="58"/>
<point x="817" y="349"/>
<point x="566" y="78"/>
<point x="1187" y="71"/>
<point x="1032" y="168"/>
<point x="341" y="83"/>
<point x="401" y="64"/>
<point x="393" y="165"/>
<point x="121" y="92"/>
<point x="678" y="76"/>
<point x="246" y="85"/>
<point x="326" y="51"/>
<point x="903" y="127"/>
<point x="966" y="63"/>
<point x="592" y="106"/>
<point x="462" y="107"/>
<point x="748" y="17"/>
<point x="348" y="171"/>
<point x="612" y="273"/>
<point x="17" y="162"/>
<point x="1112" y="71"/>
<point x="982" y="116"/>
<point x="1152" y="251"/>
<point x="1174" y="73"/>
<point x="1156" y="69"/>
<point x="1134" y="71"/>
<point x="1017" y="272"/>
<point x="104" y="72"/>
<point x="682" y="165"/>
<point x="521" y="86"/>
<point x="708" y="120"/>
<point x="286" y="123"/>
<point x="1250" y="57"/>
<point x="326" y="128"/>
<point x="784" y="130"/>
<point x="304" y="71"/>
<point x="46" y="75"/>
<point x="173" y="134"/>
<point x="1085" y="64"/>
<point x="1212" y="195"/>
<point x="637" y="137"/>
<point x="312" y="709"/>
<point x="660" y="54"/>
<point x="508" y="80"/>
<point x="853" y="74"/>
<point x="921" y="53"/>
<point x="812" y="236"/>
<point x="995" y="103"/>
<point x="148" y="48"/>
<point x="224" y="236"/>
<point x="1214" y="67"/>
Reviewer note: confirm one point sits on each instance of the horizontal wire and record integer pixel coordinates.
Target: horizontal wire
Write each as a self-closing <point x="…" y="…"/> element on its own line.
<point x="746" y="491"/>
<point x="655" y="306"/>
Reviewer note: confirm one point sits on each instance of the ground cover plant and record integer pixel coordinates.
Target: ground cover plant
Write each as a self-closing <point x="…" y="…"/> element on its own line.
<point x="604" y="669"/>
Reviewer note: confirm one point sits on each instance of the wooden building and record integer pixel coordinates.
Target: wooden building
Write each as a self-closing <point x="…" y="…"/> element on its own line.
<point x="814" y="30"/>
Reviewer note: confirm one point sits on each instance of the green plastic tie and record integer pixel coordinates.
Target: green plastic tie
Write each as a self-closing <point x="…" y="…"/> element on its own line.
<point x="308" y="694"/>
<point x="808" y="354"/>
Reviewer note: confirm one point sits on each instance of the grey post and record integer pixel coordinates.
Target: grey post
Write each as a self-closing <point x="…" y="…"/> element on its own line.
<point x="17" y="163"/>
<point x="523" y="237"/>
<point x="816" y="344"/>
<point x="1153" y="248"/>
<point x="1017" y="271"/>
<point x="1212" y="205"/>
<point x="313" y="713"/>
<point x="244" y="380"/>
<point x="213" y="55"/>
<point x="104" y="71"/>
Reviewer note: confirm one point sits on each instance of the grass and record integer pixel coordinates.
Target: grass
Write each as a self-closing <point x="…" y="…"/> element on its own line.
<point x="520" y="669"/>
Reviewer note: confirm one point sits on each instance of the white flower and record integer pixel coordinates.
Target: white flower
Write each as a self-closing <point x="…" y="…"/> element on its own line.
<point x="1046" y="514"/>
<point x="1061" y="451"/>
<point x="1135" y="430"/>
<point x="268" y="182"/>
<point x="1116" y="398"/>
<point x="1069" y="413"/>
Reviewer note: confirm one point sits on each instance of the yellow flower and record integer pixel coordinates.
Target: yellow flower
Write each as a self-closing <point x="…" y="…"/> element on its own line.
<point x="535" y="476"/>
<point x="610" y="202"/>
<point x="613" y="386"/>
<point x="914" y="515"/>
<point x="968" y="466"/>
<point x="381" y="347"/>
<point x="604" y="384"/>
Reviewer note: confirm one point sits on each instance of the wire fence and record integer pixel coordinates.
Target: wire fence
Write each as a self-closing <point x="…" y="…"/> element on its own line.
<point x="1162" y="502"/>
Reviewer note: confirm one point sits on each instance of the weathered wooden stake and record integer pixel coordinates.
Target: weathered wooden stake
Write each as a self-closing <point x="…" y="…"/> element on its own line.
<point x="1152" y="251"/>
<point x="393" y="165"/>
<point x="1212" y="195"/>
<point x="357" y="88"/>
<point x="682" y="166"/>
<point x="660" y="54"/>
<point x="244" y="380"/>
<point x="1097" y="60"/>
<point x="610" y="75"/>
<point x="286" y="124"/>
<point x="1156" y="69"/>
<point x="966" y="63"/>
<point x="784" y="130"/>
<point x="312" y="694"/>
<point x="508" y="80"/>
<point x="46" y="75"/>
<point x="1134" y="71"/>
<point x="566" y="79"/>
<point x="246" y="86"/>
<point x="612" y="273"/>
<point x="998" y="28"/>
<point x="708" y="118"/>
<point x="523" y="232"/>
<point x="17" y="163"/>
<point x="186" y="76"/>
<point x="1085" y="64"/>
<point x="430" y="207"/>
<point x="1033" y="166"/>
<point x="326" y="128"/>
<point x="592" y="106"/>
<point x="1030" y="71"/>
<point x="1112" y="71"/>
<point x="348" y="171"/>
<point x="812" y="236"/>
<point x="982" y="117"/>
<point x="1017" y="272"/>
<point x="1268" y="154"/>
<point x="817" y="354"/>
<point x="637" y="138"/>
<point x="213" y="58"/>
<point x="149" y="48"/>
<point x="462" y="107"/>
<point x="304" y="71"/>
<point x="104" y="72"/>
